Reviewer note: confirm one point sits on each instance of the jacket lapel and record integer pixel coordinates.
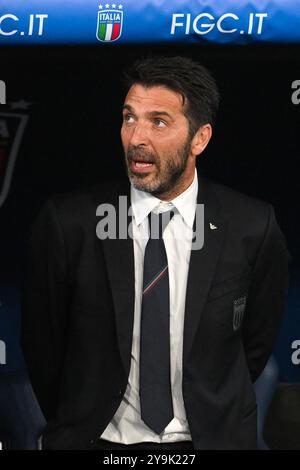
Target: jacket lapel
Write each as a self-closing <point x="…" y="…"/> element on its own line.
<point x="202" y="263"/>
<point x="119" y="256"/>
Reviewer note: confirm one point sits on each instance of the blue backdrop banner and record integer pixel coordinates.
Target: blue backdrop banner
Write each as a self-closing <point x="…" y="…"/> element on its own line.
<point x="155" y="21"/>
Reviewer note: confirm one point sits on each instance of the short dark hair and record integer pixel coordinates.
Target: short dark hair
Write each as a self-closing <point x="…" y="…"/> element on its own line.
<point x="192" y="80"/>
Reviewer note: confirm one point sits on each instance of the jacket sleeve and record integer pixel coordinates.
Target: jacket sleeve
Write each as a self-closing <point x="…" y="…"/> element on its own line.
<point x="267" y="297"/>
<point x="44" y="305"/>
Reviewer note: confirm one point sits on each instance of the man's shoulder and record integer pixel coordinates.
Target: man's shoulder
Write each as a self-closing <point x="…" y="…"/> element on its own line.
<point x="103" y="191"/>
<point x="81" y="204"/>
<point x="240" y="206"/>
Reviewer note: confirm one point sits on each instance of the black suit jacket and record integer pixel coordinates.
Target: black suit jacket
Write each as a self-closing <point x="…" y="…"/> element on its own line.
<point x="78" y="312"/>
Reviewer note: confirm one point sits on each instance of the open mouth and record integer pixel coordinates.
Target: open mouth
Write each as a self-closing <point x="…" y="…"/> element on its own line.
<point x="140" y="165"/>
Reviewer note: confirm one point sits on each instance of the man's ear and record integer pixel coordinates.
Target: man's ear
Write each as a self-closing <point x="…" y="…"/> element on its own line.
<point x="201" y="139"/>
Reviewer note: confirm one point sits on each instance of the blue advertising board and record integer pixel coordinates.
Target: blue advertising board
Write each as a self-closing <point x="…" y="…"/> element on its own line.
<point x="156" y="21"/>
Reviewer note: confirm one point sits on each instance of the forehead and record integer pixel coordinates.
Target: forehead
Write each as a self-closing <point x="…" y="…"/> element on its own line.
<point x="154" y="98"/>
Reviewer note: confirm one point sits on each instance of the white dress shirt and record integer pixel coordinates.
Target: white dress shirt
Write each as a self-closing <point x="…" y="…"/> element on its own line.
<point x="127" y="427"/>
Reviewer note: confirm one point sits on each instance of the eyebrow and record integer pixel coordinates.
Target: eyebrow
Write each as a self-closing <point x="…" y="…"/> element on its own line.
<point x="150" y="114"/>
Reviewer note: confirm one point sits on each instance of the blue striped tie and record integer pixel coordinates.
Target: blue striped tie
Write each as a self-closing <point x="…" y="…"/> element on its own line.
<point x="155" y="381"/>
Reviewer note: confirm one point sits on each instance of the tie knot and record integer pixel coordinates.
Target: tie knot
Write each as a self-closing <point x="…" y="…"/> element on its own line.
<point x="158" y="223"/>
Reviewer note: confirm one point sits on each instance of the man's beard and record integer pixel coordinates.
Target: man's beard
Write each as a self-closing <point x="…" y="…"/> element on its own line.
<point x="162" y="182"/>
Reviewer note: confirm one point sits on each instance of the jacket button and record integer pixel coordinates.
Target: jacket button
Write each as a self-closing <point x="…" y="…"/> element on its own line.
<point x="92" y="442"/>
<point x="120" y="393"/>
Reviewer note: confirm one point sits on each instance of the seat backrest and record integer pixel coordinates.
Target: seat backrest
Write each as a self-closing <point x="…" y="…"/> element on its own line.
<point x="265" y="387"/>
<point x="22" y="421"/>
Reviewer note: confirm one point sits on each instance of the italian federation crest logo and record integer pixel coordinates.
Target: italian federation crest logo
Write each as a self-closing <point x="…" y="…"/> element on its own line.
<point x="110" y="22"/>
<point x="239" y="306"/>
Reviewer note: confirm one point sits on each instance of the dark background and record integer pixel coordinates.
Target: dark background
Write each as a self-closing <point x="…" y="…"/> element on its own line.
<point x="72" y="139"/>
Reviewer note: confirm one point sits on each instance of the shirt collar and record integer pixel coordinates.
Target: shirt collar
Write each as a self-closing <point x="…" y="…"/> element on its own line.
<point x="143" y="203"/>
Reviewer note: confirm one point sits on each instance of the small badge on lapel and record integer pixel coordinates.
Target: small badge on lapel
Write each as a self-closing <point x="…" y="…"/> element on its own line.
<point x="239" y="306"/>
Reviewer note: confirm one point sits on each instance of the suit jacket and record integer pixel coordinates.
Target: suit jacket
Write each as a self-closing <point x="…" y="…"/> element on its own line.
<point x="78" y="312"/>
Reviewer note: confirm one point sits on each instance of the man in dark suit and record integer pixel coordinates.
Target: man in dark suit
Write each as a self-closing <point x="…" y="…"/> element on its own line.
<point x="153" y="341"/>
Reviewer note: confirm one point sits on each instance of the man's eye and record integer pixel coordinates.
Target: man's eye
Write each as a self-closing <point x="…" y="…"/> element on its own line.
<point x="128" y="118"/>
<point x="159" y="123"/>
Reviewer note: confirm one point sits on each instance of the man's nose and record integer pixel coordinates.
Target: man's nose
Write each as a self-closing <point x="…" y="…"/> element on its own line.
<point x="139" y="135"/>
